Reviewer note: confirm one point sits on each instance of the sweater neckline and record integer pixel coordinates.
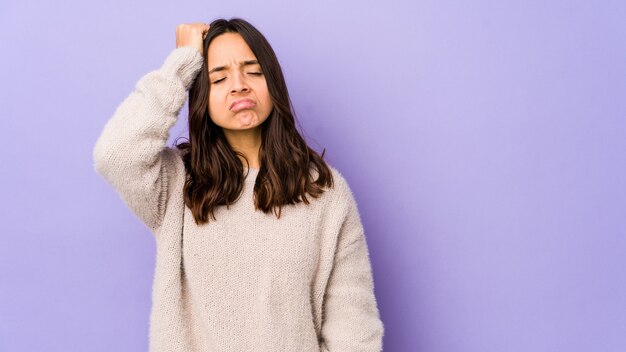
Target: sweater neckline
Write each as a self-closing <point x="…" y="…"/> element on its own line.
<point x="252" y="174"/>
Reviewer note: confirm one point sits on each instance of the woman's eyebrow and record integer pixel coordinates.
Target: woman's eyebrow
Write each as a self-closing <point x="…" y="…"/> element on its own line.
<point x="243" y="63"/>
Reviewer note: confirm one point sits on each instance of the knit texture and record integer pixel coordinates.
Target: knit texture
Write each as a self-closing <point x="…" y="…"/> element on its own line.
<point x="248" y="281"/>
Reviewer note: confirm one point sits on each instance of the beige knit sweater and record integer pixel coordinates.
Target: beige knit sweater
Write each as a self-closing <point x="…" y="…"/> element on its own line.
<point x="248" y="281"/>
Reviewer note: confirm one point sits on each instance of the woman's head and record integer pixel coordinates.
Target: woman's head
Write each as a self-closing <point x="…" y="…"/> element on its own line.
<point x="239" y="98"/>
<point x="214" y="168"/>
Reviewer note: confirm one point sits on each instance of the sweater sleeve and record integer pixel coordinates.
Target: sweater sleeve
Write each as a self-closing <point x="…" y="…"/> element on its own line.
<point x="130" y="151"/>
<point x="351" y="319"/>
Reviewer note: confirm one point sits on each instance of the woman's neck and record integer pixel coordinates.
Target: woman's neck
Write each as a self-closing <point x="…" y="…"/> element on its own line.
<point x="247" y="142"/>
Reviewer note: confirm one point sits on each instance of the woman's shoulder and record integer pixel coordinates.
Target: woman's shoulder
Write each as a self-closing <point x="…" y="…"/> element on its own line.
<point x="338" y="177"/>
<point x="172" y="157"/>
<point x="340" y="190"/>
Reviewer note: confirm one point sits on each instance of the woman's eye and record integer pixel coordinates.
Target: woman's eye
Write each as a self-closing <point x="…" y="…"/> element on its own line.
<point x="252" y="73"/>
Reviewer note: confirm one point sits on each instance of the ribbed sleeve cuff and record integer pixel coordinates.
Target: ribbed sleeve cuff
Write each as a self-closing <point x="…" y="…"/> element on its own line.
<point x="184" y="62"/>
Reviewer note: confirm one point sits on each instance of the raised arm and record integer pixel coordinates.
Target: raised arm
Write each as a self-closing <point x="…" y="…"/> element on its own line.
<point x="351" y="320"/>
<point x="130" y="152"/>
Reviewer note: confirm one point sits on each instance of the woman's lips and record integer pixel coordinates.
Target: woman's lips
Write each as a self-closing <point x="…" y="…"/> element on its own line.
<point x="242" y="104"/>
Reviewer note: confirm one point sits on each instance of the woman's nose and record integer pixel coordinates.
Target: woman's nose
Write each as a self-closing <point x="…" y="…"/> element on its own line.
<point x="238" y="83"/>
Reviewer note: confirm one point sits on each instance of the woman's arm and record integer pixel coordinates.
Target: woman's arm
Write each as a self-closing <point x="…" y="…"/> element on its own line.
<point x="351" y="320"/>
<point x="129" y="153"/>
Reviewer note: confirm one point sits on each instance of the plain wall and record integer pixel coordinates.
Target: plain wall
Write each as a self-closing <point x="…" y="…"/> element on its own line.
<point x="484" y="142"/>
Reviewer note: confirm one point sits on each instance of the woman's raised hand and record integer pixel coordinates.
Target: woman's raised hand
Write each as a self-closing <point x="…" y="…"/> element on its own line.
<point x="191" y="34"/>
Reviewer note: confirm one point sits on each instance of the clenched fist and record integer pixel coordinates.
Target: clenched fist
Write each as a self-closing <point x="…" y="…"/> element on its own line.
<point x="191" y="34"/>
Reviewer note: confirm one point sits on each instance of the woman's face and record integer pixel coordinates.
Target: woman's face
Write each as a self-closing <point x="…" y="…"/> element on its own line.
<point x="238" y="97"/>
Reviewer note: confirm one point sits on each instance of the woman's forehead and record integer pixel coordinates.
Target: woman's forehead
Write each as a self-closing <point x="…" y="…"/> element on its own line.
<point x="229" y="48"/>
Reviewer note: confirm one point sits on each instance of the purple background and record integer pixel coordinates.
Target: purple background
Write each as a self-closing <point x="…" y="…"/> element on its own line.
<point x="484" y="142"/>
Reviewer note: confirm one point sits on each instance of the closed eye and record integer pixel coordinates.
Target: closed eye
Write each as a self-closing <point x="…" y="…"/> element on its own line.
<point x="252" y="73"/>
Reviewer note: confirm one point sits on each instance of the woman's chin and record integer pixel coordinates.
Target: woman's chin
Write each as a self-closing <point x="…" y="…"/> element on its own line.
<point x="246" y="119"/>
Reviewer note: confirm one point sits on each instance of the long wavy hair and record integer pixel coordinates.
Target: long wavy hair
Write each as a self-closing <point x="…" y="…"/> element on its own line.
<point x="215" y="174"/>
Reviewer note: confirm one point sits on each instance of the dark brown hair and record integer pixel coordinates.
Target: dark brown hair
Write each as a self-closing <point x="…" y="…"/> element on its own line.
<point x="215" y="172"/>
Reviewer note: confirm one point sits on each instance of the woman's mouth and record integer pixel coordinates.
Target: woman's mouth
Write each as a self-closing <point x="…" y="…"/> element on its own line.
<point x="242" y="104"/>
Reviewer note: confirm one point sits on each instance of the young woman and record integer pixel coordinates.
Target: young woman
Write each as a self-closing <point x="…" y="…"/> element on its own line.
<point x="260" y="246"/>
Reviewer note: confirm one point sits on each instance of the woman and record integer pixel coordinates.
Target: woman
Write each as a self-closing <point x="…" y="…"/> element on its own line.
<point x="260" y="246"/>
